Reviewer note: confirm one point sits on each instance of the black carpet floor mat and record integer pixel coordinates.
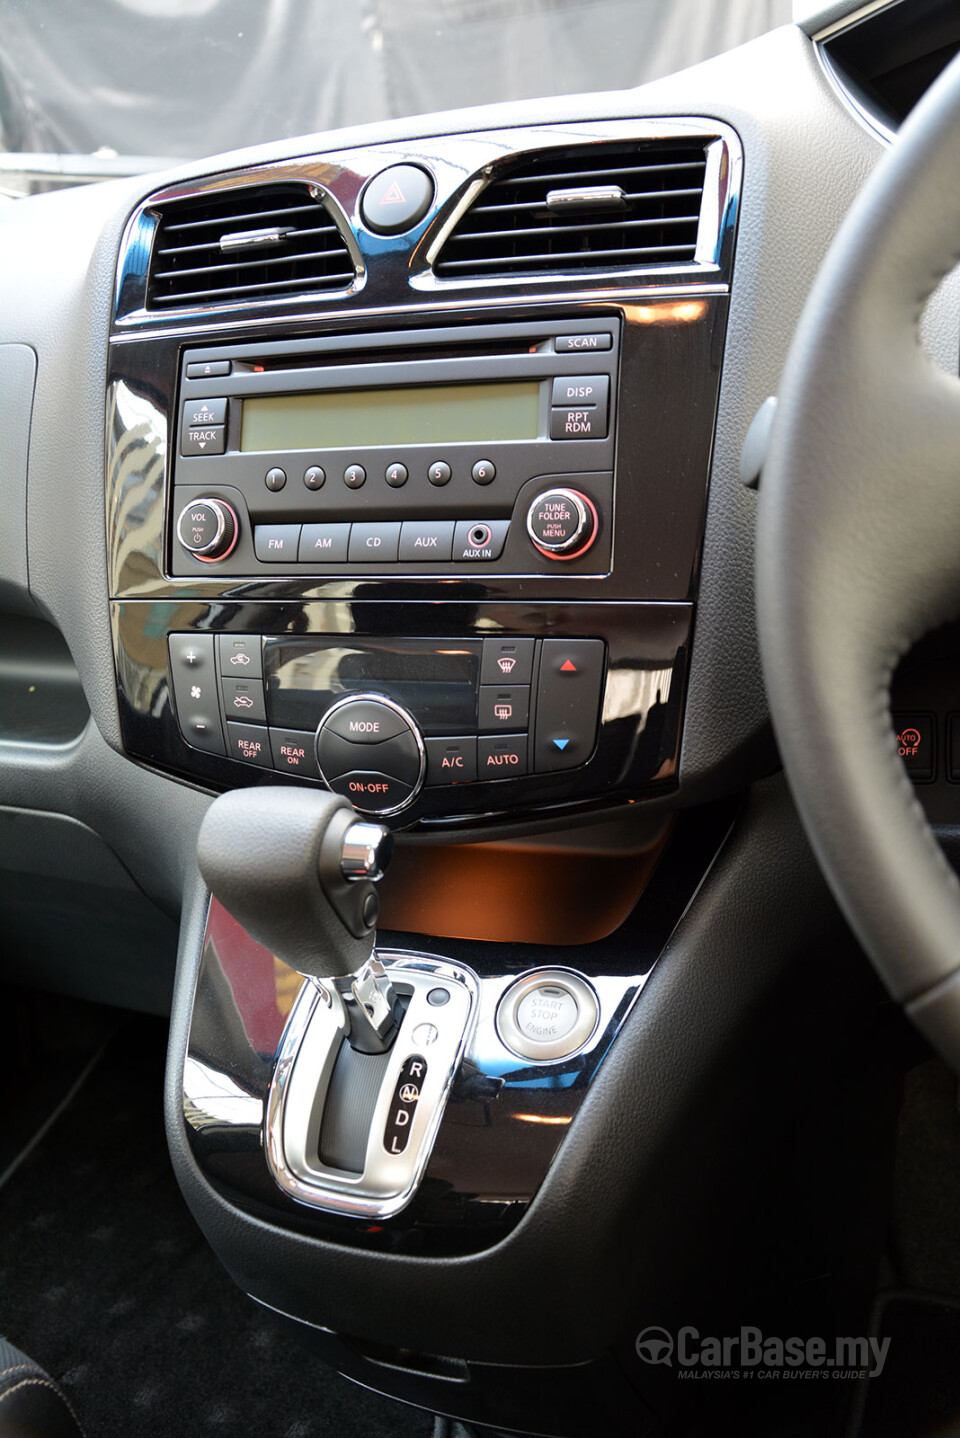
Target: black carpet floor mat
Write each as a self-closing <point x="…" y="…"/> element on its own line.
<point x="918" y="1393"/>
<point x="106" y="1281"/>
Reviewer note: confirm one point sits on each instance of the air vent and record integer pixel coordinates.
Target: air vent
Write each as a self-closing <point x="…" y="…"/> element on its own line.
<point x="256" y="243"/>
<point x="605" y="207"/>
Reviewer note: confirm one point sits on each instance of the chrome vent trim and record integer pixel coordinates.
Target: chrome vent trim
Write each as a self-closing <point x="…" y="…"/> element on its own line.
<point x="634" y="204"/>
<point x="247" y="243"/>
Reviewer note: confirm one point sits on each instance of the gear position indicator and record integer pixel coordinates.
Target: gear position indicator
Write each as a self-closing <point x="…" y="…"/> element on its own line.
<point x="404" y="1104"/>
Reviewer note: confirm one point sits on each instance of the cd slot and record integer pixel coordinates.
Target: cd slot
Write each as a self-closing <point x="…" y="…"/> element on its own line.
<point x="502" y="347"/>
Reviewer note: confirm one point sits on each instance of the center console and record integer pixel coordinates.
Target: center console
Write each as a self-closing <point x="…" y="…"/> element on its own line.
<point x="407" y="508"/>
<point x="389" y="521"/>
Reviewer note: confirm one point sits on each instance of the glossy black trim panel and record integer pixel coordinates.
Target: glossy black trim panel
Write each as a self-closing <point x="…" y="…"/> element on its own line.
<point x="505" y="1119"/>
<point x="639" y="737"/>
<point x="669" y="383"/>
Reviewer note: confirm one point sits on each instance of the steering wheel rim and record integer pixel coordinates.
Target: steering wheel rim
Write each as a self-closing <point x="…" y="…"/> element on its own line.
<point x="858" y="556"/>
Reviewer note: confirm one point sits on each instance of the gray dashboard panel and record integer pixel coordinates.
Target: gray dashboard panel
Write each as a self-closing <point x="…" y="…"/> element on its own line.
<point x="18" y="374"/>
<point x="805" y="159"/>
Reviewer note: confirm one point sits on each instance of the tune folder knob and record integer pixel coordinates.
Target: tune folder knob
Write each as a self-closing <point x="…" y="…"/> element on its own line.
<point x="562" y="523"/>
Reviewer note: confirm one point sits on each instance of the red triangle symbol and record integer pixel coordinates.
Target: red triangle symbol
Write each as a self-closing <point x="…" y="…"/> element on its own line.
<point x="568" y="667"/>
<point x="394" y="196"/>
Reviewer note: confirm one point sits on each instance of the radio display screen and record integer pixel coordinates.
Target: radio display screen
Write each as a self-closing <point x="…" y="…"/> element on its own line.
<point x="435" y="679"/>
<point x="408" y="414"/>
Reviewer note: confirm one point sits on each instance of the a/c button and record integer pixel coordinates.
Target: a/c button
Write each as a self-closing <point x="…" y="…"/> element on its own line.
<point x="451" y="761"/>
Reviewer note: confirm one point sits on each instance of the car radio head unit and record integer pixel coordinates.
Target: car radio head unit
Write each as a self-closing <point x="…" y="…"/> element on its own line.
<point x="429" y="452"/>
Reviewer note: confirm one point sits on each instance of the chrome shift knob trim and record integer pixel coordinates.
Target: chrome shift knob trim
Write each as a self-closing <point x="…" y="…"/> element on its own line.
<point x="366" y="852"/>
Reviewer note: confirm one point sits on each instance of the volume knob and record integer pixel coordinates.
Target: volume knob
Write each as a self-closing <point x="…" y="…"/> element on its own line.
<point x="208" y="529"/>
<point x="562" y="523"/>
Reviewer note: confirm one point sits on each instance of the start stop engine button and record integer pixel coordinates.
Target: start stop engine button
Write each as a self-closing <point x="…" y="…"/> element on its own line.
<point x="548" y="1015"/>
<point x="548" y="1012"/>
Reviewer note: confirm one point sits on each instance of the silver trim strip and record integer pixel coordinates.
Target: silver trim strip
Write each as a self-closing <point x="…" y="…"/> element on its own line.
<point x="612" y="294"/>
<point x="305" y="1060"/>
<point x="463" y="165"/>
<point x="252" y="239"/>
<point x="861" y="112"/>
<point x="846" y="22"/>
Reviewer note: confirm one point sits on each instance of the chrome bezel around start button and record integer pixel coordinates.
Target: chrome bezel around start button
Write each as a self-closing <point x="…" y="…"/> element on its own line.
<point x="550" y="1050"/>
<point x="369" y="749"/>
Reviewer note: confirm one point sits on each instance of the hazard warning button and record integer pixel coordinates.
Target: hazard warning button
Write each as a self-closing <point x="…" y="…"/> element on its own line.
<point x="396" y="199"/>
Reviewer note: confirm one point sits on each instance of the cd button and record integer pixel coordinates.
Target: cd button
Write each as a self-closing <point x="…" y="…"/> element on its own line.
<point x="374" y="543"/>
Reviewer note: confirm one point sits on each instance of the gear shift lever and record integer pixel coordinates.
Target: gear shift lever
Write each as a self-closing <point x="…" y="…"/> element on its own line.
<point x="297" y="869"/>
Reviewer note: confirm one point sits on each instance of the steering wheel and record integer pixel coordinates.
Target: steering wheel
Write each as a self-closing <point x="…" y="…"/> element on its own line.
<point x="858" y="556"/>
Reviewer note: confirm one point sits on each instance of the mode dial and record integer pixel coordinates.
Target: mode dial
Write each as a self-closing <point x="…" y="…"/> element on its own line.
<point x="208" y="529"/>
<point x="562" y="523"/>
<point x="370" y="750"/>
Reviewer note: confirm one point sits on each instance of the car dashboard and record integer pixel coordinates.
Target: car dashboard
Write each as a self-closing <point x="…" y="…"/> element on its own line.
<point x="404" y="463"/>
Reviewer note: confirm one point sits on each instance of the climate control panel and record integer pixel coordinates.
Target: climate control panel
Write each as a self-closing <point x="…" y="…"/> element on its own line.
<point x="377" y="719"/>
